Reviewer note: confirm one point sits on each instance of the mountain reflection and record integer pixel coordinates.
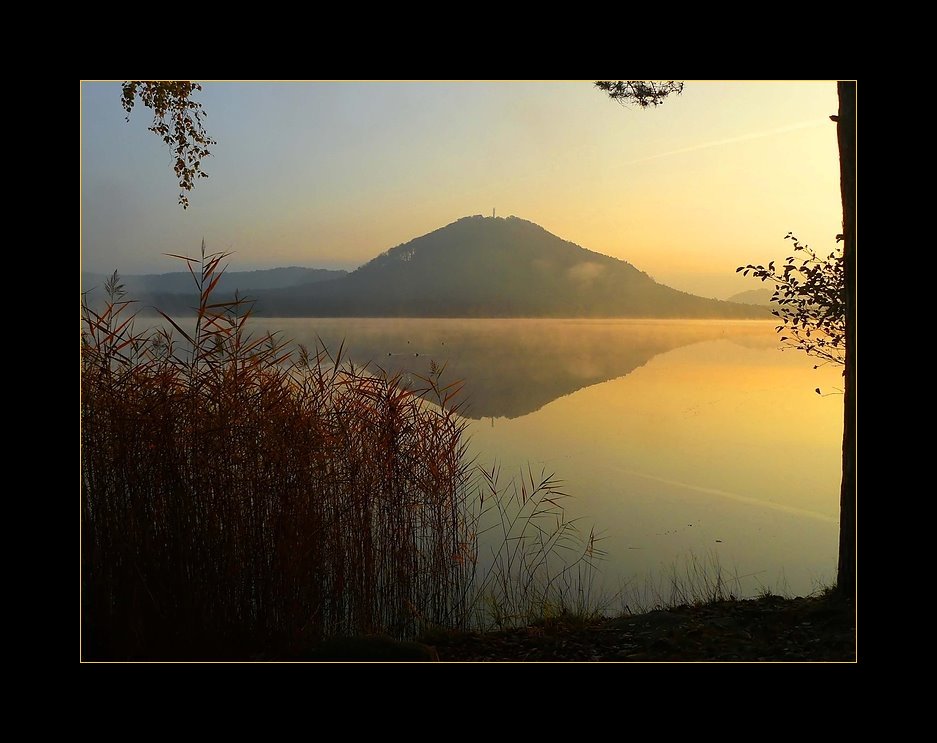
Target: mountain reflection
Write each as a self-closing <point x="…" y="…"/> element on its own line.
<point x="513" y="367"/>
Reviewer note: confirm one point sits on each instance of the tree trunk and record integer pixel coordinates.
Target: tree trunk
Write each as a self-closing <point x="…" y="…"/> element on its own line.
<point x="846" y="134"/>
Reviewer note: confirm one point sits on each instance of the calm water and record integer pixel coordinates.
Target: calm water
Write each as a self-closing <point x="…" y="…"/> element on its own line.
<point x="678" y="440"/>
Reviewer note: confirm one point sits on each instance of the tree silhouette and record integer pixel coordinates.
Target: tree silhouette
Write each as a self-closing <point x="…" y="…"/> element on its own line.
<point x="647" y="93"/>
<point x="846" y="137"/>
<point x="810" y="298"/>
<point x="644" y="93"/>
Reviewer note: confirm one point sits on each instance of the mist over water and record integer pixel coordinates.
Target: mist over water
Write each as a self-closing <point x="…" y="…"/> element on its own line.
<point x="679" y="440"/>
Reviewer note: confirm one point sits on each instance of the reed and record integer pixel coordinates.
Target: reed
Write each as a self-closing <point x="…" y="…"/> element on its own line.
<point x="243" y="500"/>
<point x="239" y="500"/>
<point x="694" y="580"/>
<point x="531" y="562"/>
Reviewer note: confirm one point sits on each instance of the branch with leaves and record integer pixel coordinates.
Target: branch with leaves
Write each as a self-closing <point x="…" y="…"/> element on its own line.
<point x="177" y="120"/>
<point x="810" y="294"/>
<point x="643" y="92"/>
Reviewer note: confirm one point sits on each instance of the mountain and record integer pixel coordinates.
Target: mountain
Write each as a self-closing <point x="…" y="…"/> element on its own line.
<point x="753" y="296"/>
<point x="494" y="267"/>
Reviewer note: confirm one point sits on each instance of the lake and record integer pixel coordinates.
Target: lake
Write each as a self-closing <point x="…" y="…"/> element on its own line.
<point x="685" y="443"/>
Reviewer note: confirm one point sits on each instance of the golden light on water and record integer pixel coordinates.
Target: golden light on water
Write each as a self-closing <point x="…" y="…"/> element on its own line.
<point x="719" y="445"/>
<point x="673" y="437"/>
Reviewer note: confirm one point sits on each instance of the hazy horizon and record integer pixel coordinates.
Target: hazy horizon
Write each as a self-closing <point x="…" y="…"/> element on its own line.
<point x="329" y="175"/>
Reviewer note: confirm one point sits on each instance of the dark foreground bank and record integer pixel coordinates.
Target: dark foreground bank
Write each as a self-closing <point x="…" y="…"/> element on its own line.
<point x="766" y="629"/>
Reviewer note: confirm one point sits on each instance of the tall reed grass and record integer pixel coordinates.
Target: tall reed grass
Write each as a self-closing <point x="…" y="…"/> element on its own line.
<point x="534" y="563"/>
<point x="242" y="500"/>
<point x="697" y="580"/>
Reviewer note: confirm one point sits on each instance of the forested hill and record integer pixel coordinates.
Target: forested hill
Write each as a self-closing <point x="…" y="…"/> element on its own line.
<point x="494" y="267"/>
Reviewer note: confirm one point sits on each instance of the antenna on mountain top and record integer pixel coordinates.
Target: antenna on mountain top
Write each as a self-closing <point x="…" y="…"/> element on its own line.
<point x="492" y="212"/>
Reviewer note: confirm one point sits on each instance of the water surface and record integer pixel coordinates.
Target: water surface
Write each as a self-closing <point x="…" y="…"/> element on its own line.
<point x="679" y="441"/>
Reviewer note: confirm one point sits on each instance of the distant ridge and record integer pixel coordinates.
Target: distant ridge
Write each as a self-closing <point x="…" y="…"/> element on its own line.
<point x="753" y="296"/>
<point x="181" y="282"/>
<point x="494" y="267"/>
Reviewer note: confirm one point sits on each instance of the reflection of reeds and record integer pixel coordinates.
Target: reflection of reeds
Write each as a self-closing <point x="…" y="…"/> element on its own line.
<point x="238" y="500"/>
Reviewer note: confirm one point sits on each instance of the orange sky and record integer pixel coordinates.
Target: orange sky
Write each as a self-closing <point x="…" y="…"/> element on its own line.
<point x="331" y="174"/>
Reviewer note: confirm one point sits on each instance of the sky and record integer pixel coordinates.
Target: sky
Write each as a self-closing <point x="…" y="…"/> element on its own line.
<point x="331" y="174"/>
